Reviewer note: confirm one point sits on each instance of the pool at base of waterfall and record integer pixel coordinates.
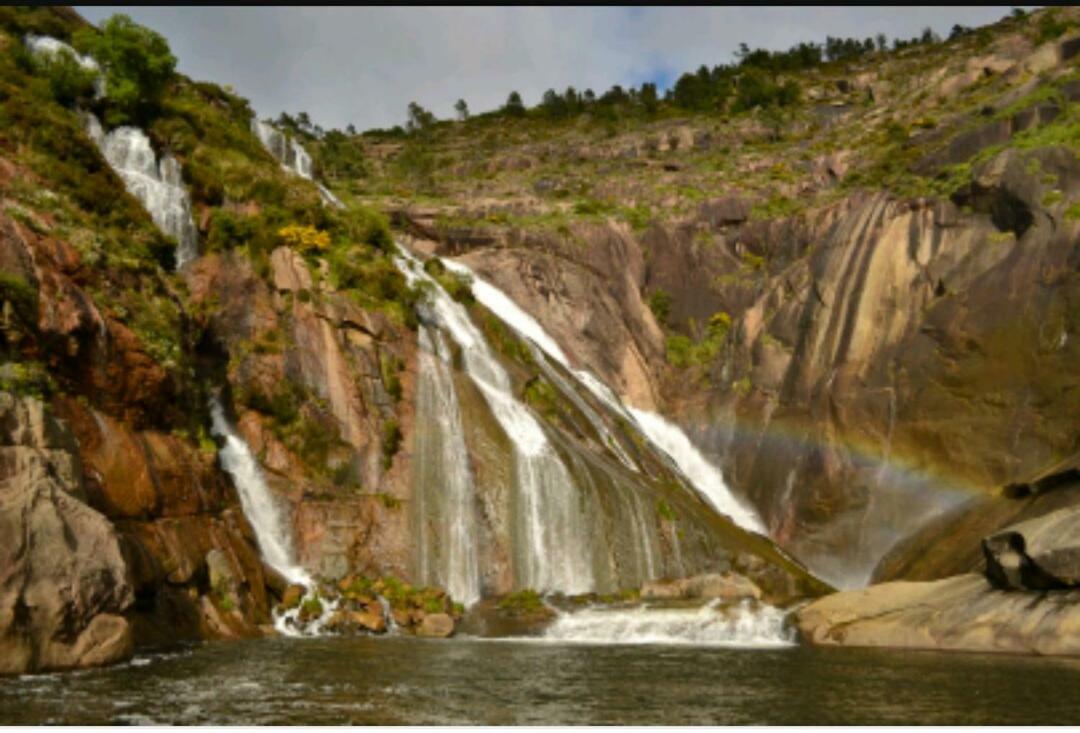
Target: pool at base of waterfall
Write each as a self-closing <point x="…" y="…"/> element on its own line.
<point x="406" y="680"/>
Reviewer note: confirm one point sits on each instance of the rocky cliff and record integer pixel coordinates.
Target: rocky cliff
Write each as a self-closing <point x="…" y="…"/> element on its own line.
<point x="864" y="310"/>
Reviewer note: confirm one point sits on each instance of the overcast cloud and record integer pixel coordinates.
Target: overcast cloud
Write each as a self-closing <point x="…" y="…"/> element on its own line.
<point x="364" y="65"/>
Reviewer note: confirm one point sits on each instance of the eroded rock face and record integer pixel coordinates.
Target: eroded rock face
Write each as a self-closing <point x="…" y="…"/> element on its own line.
<point x="962" y="613"/>
<point x="63" y="580"/>
<point x="586" y="294"/>
<point x="318" y="382"/>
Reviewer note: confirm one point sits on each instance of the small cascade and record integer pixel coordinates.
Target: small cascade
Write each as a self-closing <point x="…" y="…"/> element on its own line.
<point x="748" y="625"/>
<point x="555" y="553"/>
<point x="49" y="46"/>
<point x="292" y="156"/>
<point x="447" y="556"/>
<point x="159" y="186"/>
<point x="665" y="436"/>
<point x="270" y="529"/>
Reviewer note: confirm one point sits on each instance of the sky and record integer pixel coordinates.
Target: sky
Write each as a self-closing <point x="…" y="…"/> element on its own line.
<point x="363" y="66"/>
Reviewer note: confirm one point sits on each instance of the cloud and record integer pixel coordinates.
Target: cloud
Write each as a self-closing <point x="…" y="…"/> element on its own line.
<point x="364" y="65"/>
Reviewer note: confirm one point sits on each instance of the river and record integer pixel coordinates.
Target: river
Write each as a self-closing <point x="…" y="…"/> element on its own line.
<point x="408" y="680"/>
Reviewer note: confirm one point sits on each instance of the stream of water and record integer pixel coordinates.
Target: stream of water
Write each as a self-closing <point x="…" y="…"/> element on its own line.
<point x="405" y="680"/>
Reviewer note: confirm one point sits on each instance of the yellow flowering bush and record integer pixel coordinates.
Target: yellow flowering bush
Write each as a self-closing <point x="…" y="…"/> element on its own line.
<point x="304" y="237"/>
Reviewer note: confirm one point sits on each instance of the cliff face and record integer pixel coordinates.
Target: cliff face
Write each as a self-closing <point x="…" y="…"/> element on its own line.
<point x="860" y="359"/>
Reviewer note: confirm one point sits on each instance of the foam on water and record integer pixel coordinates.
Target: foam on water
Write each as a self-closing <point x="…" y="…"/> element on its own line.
<point x="747" y="625"/>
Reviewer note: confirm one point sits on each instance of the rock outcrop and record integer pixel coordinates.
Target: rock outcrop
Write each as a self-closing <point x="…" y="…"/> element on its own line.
<point x="1038" y="554"/>
<point x="64" y="584"/>
<point x="962" y="613"/>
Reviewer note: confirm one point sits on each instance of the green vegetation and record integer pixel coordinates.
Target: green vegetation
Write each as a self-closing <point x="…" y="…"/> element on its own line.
<point x="456" y="285"/>
<point x="137" y="64"/>
<point x="682" y="352"/>
<point x="540" y="395"/>
<point x="660" y="305"/>
<point x="525" y="602"/>
<point x="391" y="441"/>
<point x="665" y="511"/>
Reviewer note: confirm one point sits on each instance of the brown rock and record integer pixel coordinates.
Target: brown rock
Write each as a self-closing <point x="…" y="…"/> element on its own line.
<point x="438" y="625"/>
<point x="64" y="581"/>
<point x="292" y="596"/>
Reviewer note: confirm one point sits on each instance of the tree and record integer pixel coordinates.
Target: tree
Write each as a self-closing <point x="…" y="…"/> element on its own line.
<point x="882" y="42"/>
<point x="137" y="64"/>
<point x="553" y="104"/>
<point x="462" y="110"/>
<point x="649" y="100"/>
<point x="419" y="118"/>
<point x="514" y="106"/>
<point x="350" y="129"/>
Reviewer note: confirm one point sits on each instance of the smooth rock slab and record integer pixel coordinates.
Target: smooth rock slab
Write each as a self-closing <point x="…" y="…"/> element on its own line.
<point x="961" y="613"/>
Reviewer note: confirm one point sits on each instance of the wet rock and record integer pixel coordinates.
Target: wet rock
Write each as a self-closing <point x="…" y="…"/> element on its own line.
<point x="372" y="618"/>
<point x="275" y="581"/>
<point x="438" y="625"/>
<point x="962" y="613"/>
<point x="292" y="596"/>
<point x="710" y="586"/>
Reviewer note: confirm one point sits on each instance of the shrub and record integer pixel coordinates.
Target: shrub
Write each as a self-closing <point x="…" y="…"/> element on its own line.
<point x="69" y="81"/>
<point x="660" y="305"/>
<point x="391" y="441"/>
<point x="137" y="63"/>
<point x="304" y="238"/>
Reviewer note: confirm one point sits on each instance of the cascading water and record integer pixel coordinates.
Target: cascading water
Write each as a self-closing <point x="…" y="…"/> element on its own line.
<point x="292" y="156"/>
<point x="49" y="46"/>
<point x="556" y="554"/>
<point x="448" y="555"/>
<point x="747" y="625"/>
<point x="262" y="512"/>
<point x="665" y="436"/>
<point x="159" y="186"/>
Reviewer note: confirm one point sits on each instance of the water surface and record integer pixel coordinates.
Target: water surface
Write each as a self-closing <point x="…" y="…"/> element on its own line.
<point x="462" y="681"/>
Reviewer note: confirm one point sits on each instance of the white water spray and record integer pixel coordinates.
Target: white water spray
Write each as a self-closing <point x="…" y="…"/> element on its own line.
<point x="664" y="435"/>
<point x="747" y="625"/>
<point x="159" y="186"/>
<point x="557" y="551"/>
<point x="442" y="459"/>
<point x="292" y="156"/>
<point x="270" y="529"/>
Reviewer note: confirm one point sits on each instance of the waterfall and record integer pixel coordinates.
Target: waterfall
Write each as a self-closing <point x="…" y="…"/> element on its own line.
<point x="746" y="625"/>
<point x="668" y="438"/>
<point x="256" y="499"/>
<point x="291" y="155"/>
<point x="49" y="46"/>
<point x="159" y="186"/>
<point x="556" y="552"/>
<point x="271" y="531"/>
<point x="442" y="460"/>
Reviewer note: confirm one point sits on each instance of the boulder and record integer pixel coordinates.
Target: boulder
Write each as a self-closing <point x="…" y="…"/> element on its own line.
<point x="64" y="583"/>
<point x="292" y="596"/>
<point x="1038" y="554"/>
<point x="438" y="625"/>
<point x="371" y="618"/>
